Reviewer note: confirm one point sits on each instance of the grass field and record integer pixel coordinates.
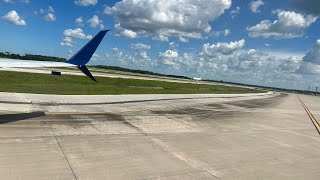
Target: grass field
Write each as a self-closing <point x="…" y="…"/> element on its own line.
<point x="80" y="85"/>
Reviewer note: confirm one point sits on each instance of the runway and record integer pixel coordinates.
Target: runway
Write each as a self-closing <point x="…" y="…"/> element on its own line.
<point x="267" y="136"/>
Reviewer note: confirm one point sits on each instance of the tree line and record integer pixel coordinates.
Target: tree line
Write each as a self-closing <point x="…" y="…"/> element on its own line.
<point x="116" y="68"/>
<point x="31" y="57"/>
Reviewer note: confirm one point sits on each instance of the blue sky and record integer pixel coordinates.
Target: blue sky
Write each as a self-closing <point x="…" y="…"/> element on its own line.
<point x="273" y="43"/>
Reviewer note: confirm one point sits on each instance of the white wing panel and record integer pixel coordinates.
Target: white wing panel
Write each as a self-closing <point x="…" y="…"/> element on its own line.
<point x="12" y="63"/>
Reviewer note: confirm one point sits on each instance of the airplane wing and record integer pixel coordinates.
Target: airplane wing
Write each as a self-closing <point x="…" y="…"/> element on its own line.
<point x="80" y="59"/>
<point x="15" y="63"/>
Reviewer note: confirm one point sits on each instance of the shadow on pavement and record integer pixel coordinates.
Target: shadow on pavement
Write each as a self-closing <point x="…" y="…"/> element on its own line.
<point x="8" y="118"/>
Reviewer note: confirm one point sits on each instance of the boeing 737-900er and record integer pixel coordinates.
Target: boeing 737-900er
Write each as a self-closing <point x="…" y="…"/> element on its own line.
<point x="80" y="59"/>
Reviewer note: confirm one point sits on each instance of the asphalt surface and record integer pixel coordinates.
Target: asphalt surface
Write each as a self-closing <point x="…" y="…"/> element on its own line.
<point x="268" y="137"/>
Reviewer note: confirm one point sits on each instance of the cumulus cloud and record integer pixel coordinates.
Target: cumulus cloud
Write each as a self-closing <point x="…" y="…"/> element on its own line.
<point x="288" y="25"/>
<point x="86" y="2"/>
<point x="311" y="61"/>
<point x="225" y="33"/>
<point x="50" y="9"/>
<point x="234" y="13"/>
<point x="79" y="21"/>
<point x="251" y="59"/>
<point x="8" y="1"/>
<point x="313" y="56"/>
<point x="66" y="44"/>
<point x="162" y="19"/>
<point x="129" y="33"/>
<point x="137" y="60"/>
<point x="95" y="21"/>
<point x="307" y="6"/>
<point x="14" y="18"/>
<point x="11" y="1"/>
<point x="246" y="66"/>
<point x="169" y="58"/>
<point x="76" y="33"/>
<point x="169" y="54"/>
<point x="290" y="64"/>
<point x="222" y="47"/>
<point x="140" y="46"/>
<point x="67" y="41"/>
<point x="49" y="16"/>
<point x="255" y="5"/>
<point x="173" y="45"/>
<point x="309" y="68"/>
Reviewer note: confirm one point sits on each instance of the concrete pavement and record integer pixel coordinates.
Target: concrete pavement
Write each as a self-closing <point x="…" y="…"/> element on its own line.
<point x="268" y="137"/>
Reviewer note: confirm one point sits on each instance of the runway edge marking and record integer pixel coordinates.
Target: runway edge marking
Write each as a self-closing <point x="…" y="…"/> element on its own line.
<point x="313" y="120"/>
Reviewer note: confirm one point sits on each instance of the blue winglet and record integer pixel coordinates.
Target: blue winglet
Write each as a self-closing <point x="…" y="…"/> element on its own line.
<point x="84" y="55"/>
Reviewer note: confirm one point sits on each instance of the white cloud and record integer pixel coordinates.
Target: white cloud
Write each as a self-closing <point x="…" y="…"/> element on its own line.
<point x="67" y="41"/>
<point x="86" y="2"/>
<point x="246" y="66"/>
<point x="129" y="33"/>
<point x="14" y="18"/>
<point x="222" y="47"/>
<point x="76" y="33"/>
<point x="313" y="56"/>
<point x="309" y="68"/>
<point x="94" y="22"/>
<point x="8" y="1"/>
<point x="288" y="25"/>
<point x="79" y="21"/>
<point x="169" y="59"/>
<point x="251" y="55"/>
<point x="290" y="64"/>
<point x="11" y="1"/>
<point x="311" y="61"/>
<point x="50" y="14"/>
<point x="50" y="17"/>
<point x="224" y="33"/>
<point x="66" y="44"/>
<point x="50" y="9"/>
<point x="101" y="26"/>
<point x="251" y="58"/>
<point x="138" y="60"/>
<point x="140" y="46"/>
<point x="41" y="11"/>
<point x="162" y="19"/>
<point x="169" y="54"/>
<point x="234" y="13"/>
<point x="255" y="5"/>
<point x="173" y="44"/>
<point x="227" y="32"/>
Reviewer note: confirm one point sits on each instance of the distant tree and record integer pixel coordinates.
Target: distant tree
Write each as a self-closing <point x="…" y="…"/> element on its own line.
<point x="31" y="57"/>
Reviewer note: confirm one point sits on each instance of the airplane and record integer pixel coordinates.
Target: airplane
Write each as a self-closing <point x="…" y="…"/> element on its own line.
<point x="80" y="59"/>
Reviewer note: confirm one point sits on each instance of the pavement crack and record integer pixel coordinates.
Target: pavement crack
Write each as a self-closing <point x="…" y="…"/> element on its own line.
<point x="171" y="151"/>
<point x="69" y="164"/>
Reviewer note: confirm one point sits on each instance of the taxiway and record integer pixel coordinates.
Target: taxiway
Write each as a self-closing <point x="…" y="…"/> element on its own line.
<point x="266" y="136"/>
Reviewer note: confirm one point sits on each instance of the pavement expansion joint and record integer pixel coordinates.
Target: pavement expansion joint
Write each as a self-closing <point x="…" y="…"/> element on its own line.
<point x="69" y="164"/>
